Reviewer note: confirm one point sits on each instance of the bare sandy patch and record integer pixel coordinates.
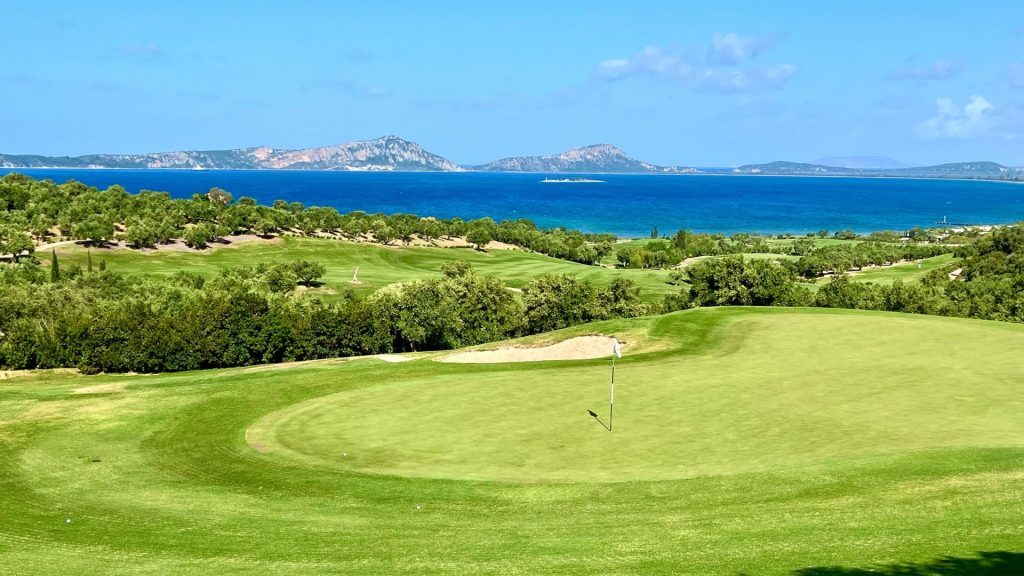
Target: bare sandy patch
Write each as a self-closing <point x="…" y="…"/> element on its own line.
<point x="100" y="388"/>
<point x="236" y="241"/>
<point x="691" y="261"/>
<point x="317" y="289"/>
<point x="579" y="348"/>
<point x="259" y="446"/>
<point x="394" y="357"/>
<point x="495" y="245"/>
<point x="6" y="374"/>
<point x="451" y="242"/>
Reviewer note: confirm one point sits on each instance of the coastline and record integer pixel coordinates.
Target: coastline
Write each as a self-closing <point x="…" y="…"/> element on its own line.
<point x="469" y="171"/>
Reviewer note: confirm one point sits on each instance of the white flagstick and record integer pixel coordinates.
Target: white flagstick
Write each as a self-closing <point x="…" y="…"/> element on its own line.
<point x="616" y="351"/>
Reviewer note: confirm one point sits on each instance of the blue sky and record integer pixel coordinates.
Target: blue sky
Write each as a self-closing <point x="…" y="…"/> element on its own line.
<point x="706" y="84"/>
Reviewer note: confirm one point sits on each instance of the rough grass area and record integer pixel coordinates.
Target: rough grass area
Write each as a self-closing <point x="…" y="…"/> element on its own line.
<point x="378" y="265"/>
<point x="746" y="441"/>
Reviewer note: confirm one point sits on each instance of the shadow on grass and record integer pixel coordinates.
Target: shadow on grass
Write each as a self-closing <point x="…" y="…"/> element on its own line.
<point x="985" y="564"/>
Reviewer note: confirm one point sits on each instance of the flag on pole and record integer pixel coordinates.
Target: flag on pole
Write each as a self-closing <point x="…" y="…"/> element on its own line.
<point x="615" y="348"/>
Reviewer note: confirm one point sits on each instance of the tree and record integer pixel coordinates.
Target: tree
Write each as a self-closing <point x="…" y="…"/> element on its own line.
<point x="54" y="267"/>
<point x="654" y="232"/>
<point x="307" y="271"/>
<point x="140" y="234"/>
<point x="14" y="241"/>
<point x="680" y="241"/>
<point x="219" y="196"/>
<point x="478" y="236"/>
<point x="94" y="229"/>
<point x="456" y="269"/>
<point x="622" y="300"/>
<point x="555" y="301"/>
<point x="200" y="235"/>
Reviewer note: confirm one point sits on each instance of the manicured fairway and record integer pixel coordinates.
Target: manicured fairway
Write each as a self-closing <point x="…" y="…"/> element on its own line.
<point x="378" y="265"/>
<point x="746" y="441"/>
<point x="906" y="272"/>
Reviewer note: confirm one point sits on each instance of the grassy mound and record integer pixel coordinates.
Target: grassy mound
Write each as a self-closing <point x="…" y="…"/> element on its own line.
<point x="758" y="441"/>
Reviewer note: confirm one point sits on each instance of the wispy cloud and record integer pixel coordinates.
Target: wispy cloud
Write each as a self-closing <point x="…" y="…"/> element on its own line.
<point x="723" y="69"/>
<point x="652" y="60"/>
<point x="937" y="70"/>
<point x="732" y="48"/>
<point x="748" y="80"/>
<point x="975" y="119"/>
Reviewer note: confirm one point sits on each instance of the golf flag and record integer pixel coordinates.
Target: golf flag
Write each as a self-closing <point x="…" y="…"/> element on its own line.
<point x="615" y="348"/>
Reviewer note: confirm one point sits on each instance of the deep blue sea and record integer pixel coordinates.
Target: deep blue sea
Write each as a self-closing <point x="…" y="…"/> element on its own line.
<point x="627" y="205"/>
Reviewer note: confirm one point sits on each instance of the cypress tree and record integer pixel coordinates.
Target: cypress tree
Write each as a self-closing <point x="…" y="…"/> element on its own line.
<point x="88" y="260"/>
<point x="103" y="265"/>
<point x="54" y="267"/>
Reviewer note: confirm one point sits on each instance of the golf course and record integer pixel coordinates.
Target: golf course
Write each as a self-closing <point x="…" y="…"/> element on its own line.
<point x="779" y="441"/>
<point x="378" y="265"/>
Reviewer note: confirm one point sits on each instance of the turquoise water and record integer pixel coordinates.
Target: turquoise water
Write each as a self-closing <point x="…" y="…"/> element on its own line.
<point x="628" y="205"/>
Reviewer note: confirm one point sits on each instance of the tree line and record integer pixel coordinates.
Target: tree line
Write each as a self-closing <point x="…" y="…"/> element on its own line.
<point x="36" y="210"/>
<point x="990" y="285"/>
<point x="814" y="260"/>
<point x="97" y="320"/>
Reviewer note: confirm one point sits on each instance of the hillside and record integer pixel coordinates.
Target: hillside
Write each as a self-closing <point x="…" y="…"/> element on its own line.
<point x="860" y="162"/>
<point x="597" y="158"/>
<point x="380" y="154"/>
<point x="978" y="170"/>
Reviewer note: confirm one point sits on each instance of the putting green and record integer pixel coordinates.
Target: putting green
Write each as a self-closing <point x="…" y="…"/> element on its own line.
<point x="783" y="443"/>
<point x="807" y="389"/>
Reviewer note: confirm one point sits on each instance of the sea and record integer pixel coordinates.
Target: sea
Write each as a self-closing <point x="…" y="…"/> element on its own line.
<point x="627" y="205"/>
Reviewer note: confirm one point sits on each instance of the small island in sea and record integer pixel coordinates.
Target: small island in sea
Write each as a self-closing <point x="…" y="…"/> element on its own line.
<point x="574" y="180"/>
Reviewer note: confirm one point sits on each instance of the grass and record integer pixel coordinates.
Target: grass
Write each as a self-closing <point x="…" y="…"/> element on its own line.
<point x="754" y="441"/>
<point x="378" y="265"/>
<point x="907" y="272"/>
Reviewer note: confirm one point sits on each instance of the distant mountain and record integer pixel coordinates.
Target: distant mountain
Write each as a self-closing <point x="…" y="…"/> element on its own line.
<point x="961" y="170"/>
<point x="978" y="170"/>
<point x="782" y="168"/>
<point x="597" y="158"/>
<point x="860" y="162"/>
<point x="380" y="154"/>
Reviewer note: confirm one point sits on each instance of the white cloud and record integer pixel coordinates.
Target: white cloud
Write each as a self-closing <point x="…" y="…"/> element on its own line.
<point x="722" y="70"/>
<point x="651" y="60"/>
<point x="975" y="119"/>
<point x="732" y="48"/>
<point x="722" y="79"/>
<point x="937" y="70"/>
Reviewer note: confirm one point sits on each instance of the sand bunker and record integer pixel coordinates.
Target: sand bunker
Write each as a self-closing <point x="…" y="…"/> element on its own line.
<point x="579" y="348"/>
<point x="394" y="357"/>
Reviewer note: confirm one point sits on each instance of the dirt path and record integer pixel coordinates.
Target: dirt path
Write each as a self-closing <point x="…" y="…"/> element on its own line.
<point x="52" y="245"/>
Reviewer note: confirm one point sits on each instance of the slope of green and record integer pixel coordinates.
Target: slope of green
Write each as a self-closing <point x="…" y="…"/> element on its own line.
<point x="378" y="265"/>
<point x="906" y="272"/>
<point x="757" y="441"/>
